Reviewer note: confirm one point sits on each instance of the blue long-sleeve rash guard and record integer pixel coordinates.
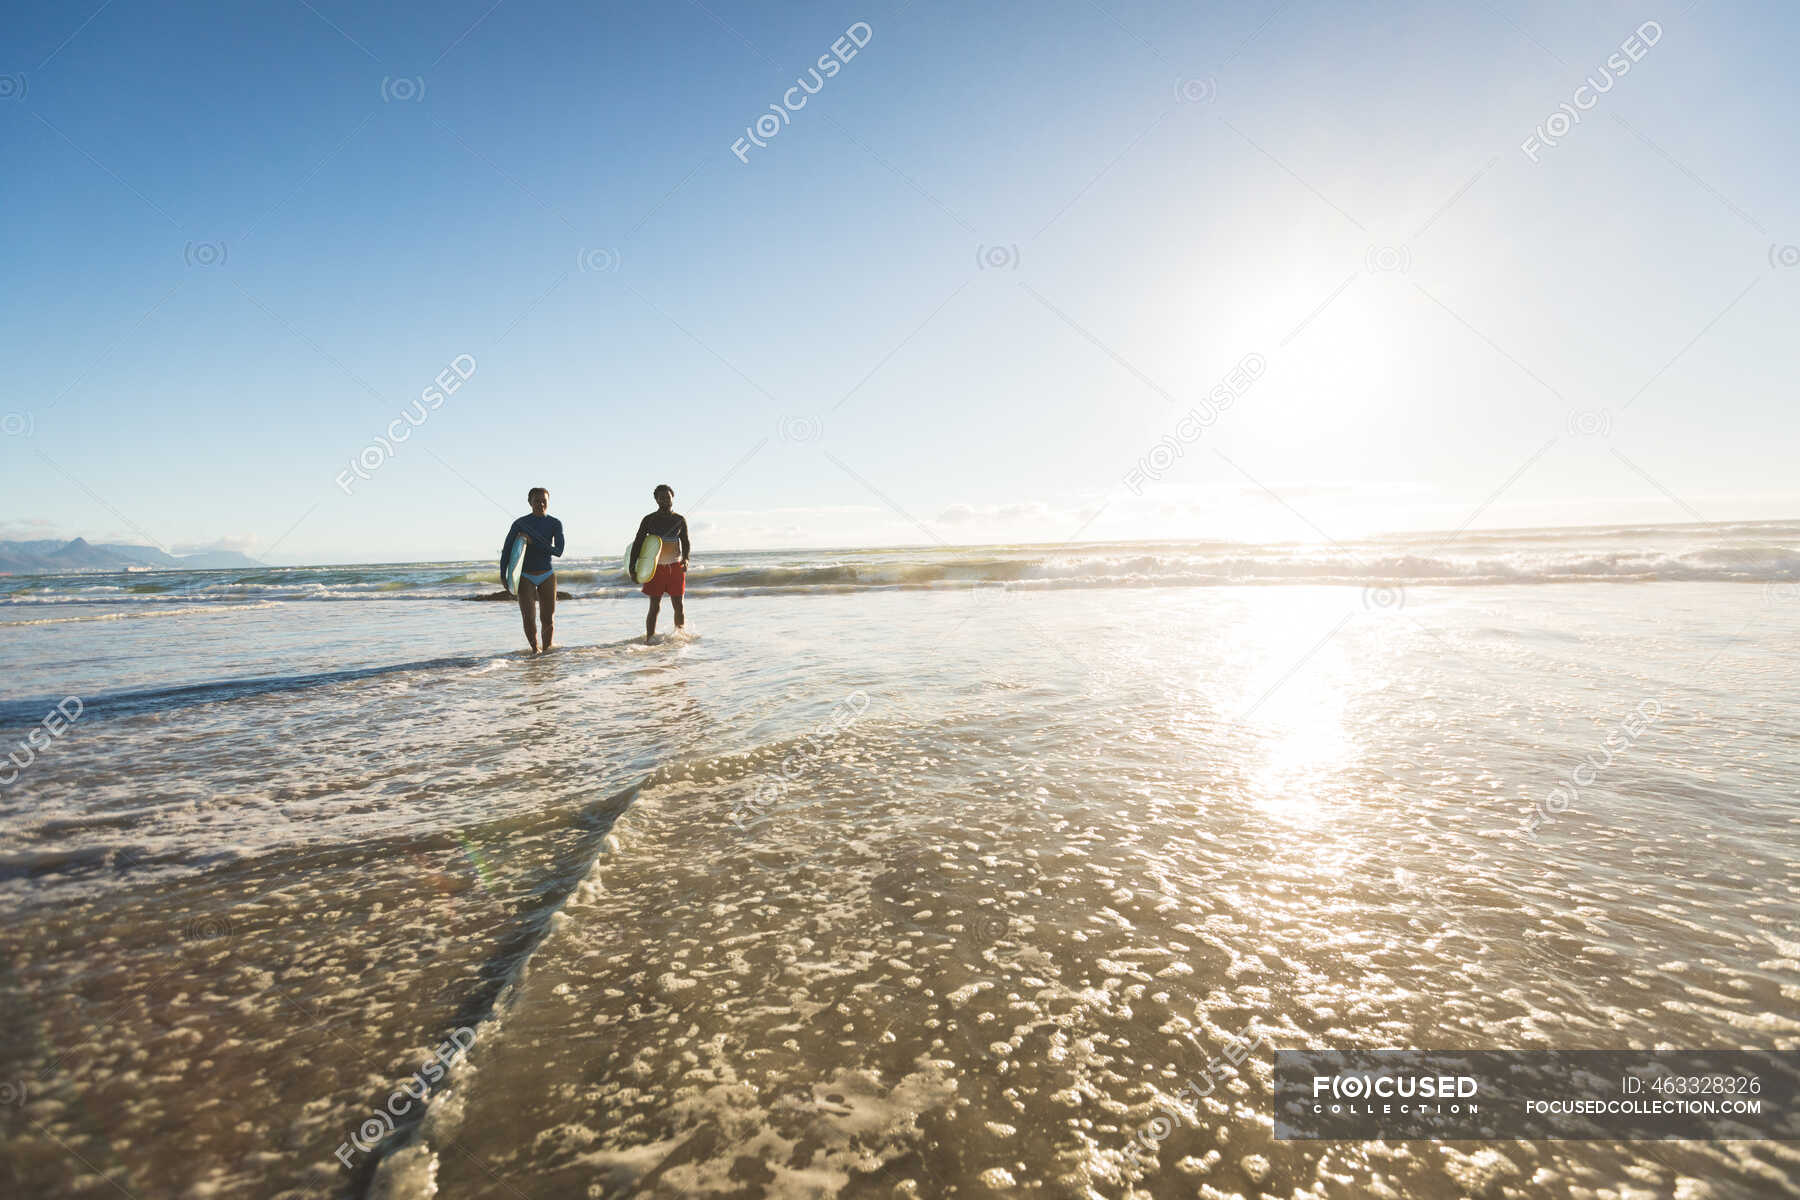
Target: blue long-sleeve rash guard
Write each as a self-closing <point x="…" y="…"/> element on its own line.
<point x="547" y="539"/>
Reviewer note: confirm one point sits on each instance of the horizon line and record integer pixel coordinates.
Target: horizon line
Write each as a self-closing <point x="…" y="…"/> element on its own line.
<point x="1320" y="541"/>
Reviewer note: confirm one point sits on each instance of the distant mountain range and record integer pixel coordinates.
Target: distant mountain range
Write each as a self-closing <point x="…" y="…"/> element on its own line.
<point x="39" y="557"/>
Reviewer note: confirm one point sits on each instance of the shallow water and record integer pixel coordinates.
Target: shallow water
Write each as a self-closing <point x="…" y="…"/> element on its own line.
<point x="904" y="891"/>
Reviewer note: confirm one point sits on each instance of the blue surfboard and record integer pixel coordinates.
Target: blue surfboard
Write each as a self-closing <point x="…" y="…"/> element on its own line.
<point x="515" y="564"/>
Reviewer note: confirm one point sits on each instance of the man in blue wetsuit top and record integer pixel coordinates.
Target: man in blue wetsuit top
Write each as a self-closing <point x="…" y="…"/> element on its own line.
<point x="543" y="536"/>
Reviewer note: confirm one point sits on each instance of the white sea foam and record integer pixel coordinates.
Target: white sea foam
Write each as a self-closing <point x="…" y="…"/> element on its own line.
<point x="985" y="932"/>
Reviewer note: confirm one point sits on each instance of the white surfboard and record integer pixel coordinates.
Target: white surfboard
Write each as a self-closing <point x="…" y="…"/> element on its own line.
<point x="644" y="566"/>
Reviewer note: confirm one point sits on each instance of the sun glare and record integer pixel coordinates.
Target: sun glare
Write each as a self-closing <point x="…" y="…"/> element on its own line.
<point x="1294" y="696"/>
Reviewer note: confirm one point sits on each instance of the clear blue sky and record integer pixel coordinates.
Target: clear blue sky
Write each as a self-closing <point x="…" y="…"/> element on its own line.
<point x="957" y="296"/>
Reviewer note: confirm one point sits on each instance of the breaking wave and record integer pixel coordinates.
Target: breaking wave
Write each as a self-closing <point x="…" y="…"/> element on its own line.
<point x="1766" y="553"/>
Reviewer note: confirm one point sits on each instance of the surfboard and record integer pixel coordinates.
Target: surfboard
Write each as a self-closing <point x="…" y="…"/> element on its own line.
<point x="515" y="565"/>
<point x="644" y="566"/>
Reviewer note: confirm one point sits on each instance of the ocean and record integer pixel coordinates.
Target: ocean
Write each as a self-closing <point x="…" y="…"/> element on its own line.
<point x="899" y="873"/>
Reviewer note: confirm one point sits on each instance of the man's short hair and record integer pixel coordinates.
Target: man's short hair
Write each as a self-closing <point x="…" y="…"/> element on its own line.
<point x="661" y="488"/>
<point x="534" y="493"/>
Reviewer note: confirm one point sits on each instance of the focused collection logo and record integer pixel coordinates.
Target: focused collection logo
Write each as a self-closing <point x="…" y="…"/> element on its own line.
<point x="1340" y="1093"/>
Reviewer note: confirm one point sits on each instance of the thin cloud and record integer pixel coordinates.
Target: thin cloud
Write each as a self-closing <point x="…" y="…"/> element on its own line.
<point x="242" y="543"/>
<point x="959" y="514"/>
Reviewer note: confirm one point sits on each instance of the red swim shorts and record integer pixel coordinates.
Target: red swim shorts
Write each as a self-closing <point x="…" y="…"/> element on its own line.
<point x="670" y="579"/>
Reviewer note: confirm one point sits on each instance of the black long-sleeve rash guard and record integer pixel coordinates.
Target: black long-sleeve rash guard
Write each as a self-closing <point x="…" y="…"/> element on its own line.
<point x="665" y="525"/>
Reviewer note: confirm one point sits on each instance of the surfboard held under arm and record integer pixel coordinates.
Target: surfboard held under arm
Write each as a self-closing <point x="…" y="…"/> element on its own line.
<point x="643" y="566"/>
<point x="515" y="564"/>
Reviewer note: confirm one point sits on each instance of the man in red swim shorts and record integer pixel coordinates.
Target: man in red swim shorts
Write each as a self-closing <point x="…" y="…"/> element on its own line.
<point x="670" y="577"/>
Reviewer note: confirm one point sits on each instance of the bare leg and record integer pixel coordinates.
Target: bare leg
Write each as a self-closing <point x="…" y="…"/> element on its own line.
<point x="650" y="620"/>
<point x="546" y="600"/>
<point x="527" y="611"/>
<point x="680" y="618"/>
